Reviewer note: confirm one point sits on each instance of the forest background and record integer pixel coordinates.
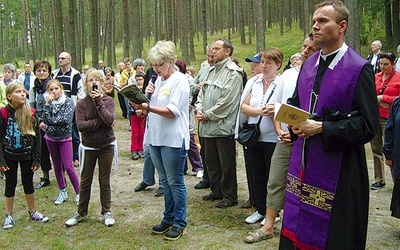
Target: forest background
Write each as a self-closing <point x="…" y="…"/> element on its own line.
<point x="114" y="29"/>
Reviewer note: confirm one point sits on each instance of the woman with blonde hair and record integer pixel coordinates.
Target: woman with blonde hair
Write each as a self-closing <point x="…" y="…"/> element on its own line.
<point x="20" y="145"/>
<point x="168" y="109"/>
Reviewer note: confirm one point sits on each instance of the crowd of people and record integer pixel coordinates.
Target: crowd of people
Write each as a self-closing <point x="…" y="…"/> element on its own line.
<point x="310" y="171"/>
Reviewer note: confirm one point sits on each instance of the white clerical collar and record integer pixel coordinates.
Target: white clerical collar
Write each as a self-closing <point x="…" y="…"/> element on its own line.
<point x="340" y="52"/>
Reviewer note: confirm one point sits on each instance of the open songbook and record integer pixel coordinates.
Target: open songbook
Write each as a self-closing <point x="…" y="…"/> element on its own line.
<point x="133" y="93"/>
<point x="289" y="114"/>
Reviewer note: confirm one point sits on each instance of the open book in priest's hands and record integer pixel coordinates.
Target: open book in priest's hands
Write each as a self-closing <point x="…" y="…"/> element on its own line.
<point x="289" y="114"/>
<point x="133" y="93"/>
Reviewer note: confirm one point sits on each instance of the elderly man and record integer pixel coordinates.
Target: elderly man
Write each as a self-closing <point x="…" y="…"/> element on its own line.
<point x="373" y="58"/>
<point x="217" y="107"/>
<point x="327" y="189"/>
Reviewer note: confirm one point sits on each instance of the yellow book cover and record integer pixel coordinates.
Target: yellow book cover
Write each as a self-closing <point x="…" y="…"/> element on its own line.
<point x="289" y="114"/>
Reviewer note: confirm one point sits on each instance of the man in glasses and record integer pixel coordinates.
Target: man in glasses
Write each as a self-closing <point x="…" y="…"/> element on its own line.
<point x="217" y="107"/>
<point x="327" y="189"/>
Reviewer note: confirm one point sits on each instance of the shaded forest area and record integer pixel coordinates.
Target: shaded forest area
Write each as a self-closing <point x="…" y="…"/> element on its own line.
<point x="37" y="29"/>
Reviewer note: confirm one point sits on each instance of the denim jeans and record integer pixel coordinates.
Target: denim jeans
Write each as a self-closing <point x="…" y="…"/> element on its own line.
<point x="169" y="163"/>
<point x="128" y="110"/>
<point x="75" y="141"/>
<point x="149" y="169"/>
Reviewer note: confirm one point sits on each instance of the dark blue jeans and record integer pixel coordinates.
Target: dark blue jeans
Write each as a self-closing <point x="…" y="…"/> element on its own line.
<point x="169" y="163"/>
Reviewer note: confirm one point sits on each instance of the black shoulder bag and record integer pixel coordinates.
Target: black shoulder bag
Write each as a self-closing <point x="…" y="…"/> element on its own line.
<point x="250" y="133"/>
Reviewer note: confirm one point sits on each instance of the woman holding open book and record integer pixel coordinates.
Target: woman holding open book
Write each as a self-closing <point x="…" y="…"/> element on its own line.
<point x="255" y="96"/>
<point x="168" y="109"/>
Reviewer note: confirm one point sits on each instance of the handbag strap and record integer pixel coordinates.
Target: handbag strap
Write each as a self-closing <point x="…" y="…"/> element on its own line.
<point x="269" y="97"/>
<point x="386" y="82"/>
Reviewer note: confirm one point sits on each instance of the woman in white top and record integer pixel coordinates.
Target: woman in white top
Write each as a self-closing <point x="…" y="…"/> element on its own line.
<point x="258" y="91"/>
<point x="168" y="135"/>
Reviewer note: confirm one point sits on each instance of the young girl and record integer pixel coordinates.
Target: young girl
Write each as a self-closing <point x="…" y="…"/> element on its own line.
<point x="95" y="116"/>
<point x="137" y="124"/>
<point x="57" y="123"/>
<point x="20" y="144"/>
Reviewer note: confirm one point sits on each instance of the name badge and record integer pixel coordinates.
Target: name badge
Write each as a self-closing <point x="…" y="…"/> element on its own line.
<point x="218" y="84"/>
<point x="165" y="91"/>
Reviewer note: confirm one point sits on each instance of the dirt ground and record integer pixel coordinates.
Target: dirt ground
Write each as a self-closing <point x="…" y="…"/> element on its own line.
<point x="383" y="230"/>
<point x="136" y="208"/>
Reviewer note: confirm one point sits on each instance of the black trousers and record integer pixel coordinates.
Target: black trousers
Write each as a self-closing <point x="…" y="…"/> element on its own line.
<point x="221" y="166"/>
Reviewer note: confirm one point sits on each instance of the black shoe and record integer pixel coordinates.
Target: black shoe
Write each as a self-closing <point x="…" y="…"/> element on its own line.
<point x="142" y="186"/>
<point x="226" y="203"/>
<point x="43" y="183"/>
<point x="211" y="197"/>
<point x="377" y="185"/>
<point x="135" y="156"/>
<point x="174" y="233"/>
<point x="162" y="228"/>
<point x="159" y="192"/>
<point x="201" y="185"/>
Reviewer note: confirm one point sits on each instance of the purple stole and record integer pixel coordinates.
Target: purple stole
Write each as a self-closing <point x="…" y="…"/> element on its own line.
<point x="310" y="193"/>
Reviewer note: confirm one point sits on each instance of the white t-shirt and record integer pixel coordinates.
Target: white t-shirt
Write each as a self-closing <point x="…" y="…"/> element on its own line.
<point x="259" y="99"/>
<point x="172" y="93"/>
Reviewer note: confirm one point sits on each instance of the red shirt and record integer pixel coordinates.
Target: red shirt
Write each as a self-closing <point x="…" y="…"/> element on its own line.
<point x="390" y="93"/>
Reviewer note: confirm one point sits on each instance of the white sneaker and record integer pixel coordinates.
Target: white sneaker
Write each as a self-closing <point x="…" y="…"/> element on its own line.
<point x="77" y="199"/>
<point x="277" y="219"/>
<point x="62" y="196"/>
<point x="36" y="216"/>
<point x="9" y="222"/>
<point x="108" y="219"/>
<point x="254" y="218"/>
<point x="199" y="174"/>
<point x="75" y="218"/>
